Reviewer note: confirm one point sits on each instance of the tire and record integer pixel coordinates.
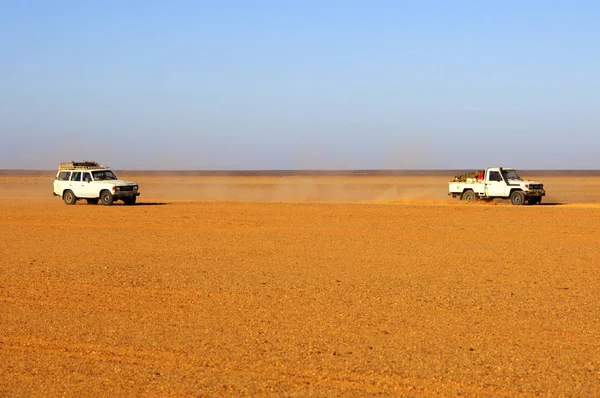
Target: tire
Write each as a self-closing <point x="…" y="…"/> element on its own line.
<point x="468" y="196"/>
<point x="129" y="201"/>
<point x="69" y="197"/>
<point x="534" y="201"/>
<point x="92" y="201"/>
<point x="107" y="198"/>
<point x="517" y="198"/>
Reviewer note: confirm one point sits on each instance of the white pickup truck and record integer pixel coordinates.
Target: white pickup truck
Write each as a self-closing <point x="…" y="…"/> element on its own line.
<point x="496" y="183"/>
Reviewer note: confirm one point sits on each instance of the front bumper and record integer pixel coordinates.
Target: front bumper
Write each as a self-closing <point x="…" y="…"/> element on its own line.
<point x="534" y="193"/>
<point x="125" y="194"/>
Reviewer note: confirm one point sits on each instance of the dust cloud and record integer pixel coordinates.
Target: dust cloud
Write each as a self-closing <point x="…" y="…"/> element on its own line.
<point x="316" y="173"/>
<point x="295" y="188"/>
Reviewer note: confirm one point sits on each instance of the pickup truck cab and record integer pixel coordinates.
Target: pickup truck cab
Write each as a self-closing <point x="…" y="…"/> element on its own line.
<point x="496" y="183"/>
<point x="93" y="182"/>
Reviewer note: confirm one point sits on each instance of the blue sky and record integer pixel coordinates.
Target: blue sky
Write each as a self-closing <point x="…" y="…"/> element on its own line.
<point x="300" y="84"/>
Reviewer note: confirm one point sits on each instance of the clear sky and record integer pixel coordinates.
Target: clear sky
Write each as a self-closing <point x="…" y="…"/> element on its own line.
<point x="300" y="84"/>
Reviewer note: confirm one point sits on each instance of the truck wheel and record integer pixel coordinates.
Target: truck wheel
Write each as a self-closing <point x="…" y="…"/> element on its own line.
<point x="469" y="196"/>
<point x="517" y="198"/>
<point x="92" y="201"/>
<point x="129" y="201"/>
<point x="106" y="198"/>
<point x="69" y="197"/>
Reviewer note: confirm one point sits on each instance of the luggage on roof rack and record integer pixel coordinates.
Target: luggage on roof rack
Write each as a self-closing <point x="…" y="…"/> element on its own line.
<point x="81" y="165"/>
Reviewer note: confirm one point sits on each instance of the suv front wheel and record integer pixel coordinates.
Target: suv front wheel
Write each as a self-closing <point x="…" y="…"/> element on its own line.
<point x="517" y="198"/>
<point x="106" y="197"/>
<point x="129" y="201"/>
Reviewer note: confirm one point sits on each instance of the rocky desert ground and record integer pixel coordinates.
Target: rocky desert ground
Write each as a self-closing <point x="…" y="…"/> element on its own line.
<point x="299" y="286"/>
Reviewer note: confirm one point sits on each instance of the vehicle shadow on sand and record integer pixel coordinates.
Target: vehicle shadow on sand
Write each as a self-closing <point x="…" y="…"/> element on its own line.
<point x="551" y="204"/>
<point x="144" y="204"/>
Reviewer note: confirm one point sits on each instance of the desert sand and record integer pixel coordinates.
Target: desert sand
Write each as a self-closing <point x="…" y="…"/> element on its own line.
<point x="299" y="286"/>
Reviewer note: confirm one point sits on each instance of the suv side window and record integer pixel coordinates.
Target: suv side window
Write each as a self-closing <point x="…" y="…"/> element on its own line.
<point x="495" y="176"/>
<point x="76" y="176"/>
<point x="87" y="177"/>
<point x="64" y="176"/>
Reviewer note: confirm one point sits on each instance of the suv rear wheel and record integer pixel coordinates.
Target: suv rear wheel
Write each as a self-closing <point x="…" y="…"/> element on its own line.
<point x="469" y="196"/>
<point x="69" y="197"/>
<point x="106" y="197"/>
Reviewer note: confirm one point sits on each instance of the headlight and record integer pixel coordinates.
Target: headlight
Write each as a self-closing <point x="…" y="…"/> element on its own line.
<point x="135" y="187"/>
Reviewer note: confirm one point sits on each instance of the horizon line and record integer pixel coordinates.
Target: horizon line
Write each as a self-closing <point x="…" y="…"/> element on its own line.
<point x="292" y="172"/>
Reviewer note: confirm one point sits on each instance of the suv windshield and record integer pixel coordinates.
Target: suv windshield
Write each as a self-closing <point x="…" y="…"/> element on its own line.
<point x="512" y="175"/>
<point x="103" y="175"/>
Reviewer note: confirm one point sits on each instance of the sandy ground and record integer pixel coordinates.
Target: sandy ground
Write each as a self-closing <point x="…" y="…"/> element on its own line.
<point x="299" y="286"/>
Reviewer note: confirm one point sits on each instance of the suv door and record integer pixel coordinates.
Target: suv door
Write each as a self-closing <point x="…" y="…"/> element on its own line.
<point x="88" y="188"/>
<point x="76" y="184"/>
<point x="495" y="185"/>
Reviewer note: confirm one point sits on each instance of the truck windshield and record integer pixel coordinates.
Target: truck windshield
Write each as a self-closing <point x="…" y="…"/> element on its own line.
<point x="103" y="175"/>
<point x="512" y="175"/>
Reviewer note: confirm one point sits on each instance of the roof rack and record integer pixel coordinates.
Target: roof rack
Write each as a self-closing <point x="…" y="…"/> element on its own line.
<point x="81" y="165"/>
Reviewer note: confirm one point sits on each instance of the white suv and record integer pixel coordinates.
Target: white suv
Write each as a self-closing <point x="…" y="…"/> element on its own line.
<point x="93" y="182"/>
